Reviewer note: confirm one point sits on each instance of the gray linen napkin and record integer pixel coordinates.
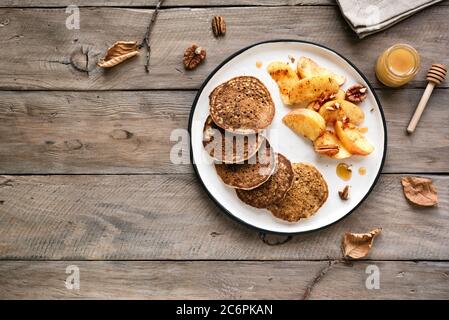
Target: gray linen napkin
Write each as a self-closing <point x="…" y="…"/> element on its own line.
<point x="370" y="16"/>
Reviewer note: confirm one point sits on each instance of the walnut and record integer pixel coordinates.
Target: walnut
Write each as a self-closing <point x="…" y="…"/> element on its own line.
<point x="357" y="93"/>
<point x="193" y="56"/>
<point x="218" y="26"/>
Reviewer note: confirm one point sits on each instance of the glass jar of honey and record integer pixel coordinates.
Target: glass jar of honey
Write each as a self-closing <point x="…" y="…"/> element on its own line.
<point x="397" y="65"/>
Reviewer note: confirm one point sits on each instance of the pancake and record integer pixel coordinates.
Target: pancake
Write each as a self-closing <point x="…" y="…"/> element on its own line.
<point x="227" y="147"/>
<point x="272" y="191"/>
<point x="242" y="105"/>
<point x="251" y="173"/>
<point x="307" y="194"/>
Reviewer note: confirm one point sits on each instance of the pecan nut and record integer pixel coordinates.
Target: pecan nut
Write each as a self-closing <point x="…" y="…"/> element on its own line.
<point x="335" y="106"/>
<point x="344" y="194"/>
<point x="357" y="93"/>
<point x="322" y="99"/>
<point x="218" y="26"/>
<point x="315" y="105"/>
<point x="327" y="149"/>
<point x="193" y="56"/>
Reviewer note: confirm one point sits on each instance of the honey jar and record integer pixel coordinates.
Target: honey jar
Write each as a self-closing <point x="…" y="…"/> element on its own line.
<point x="397" y="65"/>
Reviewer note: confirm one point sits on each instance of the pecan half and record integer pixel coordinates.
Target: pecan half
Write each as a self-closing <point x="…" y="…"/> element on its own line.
<point x="327" y="149"/>
<point x="218" y="26"/>
<point x="315" y="105"/>
<point x="193" y="56"/>
<point x="322" y="99"/>
<point x="335" y="106"/>
<point x="344" y="194"/>
<point x="357" y="93"/>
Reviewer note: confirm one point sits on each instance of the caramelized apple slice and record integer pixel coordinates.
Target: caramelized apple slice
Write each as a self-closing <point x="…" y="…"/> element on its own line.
<point x="352" y="139"/>
<point x="329" y="145"/>
<point x="305" y="122"/>
<point x="335" y="110"/>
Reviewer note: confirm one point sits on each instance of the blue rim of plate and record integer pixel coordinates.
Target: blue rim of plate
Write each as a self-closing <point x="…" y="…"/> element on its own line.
<point x="230" y="214"/>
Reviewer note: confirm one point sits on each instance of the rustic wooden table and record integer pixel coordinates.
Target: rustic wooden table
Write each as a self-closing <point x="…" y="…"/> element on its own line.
<point x="86" y="177"/>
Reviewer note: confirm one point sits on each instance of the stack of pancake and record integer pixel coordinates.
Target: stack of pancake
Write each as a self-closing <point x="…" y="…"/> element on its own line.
<point x="240" y="109"/>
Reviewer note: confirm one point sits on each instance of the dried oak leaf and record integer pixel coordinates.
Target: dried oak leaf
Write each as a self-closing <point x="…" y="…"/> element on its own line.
<point x="358" y="245"/>
<point x="420" y="191"/>
<point x="119" y="52"/>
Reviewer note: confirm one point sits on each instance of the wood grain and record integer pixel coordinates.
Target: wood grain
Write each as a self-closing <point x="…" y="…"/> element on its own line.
<point x="170" y="217"/>
<point x="31" y="59"/>
<point x="129" y="132"/>
<point x="218" y="280"/>
<point x="68" y="195"/>
<point x="95" y="132"/>
<point x="167" y="3"/>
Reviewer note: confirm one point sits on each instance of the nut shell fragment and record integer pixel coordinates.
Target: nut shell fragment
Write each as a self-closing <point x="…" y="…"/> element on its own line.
<point x="117" y="53"/>
<point x="358" y="245"/>
<point x="420" y="191"/>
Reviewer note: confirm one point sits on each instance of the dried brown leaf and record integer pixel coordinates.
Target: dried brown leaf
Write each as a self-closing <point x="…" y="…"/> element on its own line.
<point x="119" y="52"/>
<point x="420" y="191"/>
<point x="358" y="245"/>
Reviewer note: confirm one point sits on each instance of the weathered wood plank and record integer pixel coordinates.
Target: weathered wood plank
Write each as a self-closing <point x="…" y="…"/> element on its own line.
<point x="96" y="132"/>
<point x="167" y="3"/>
<point x="218" y="280"/>
<point x="129" y="132"/>
<point x="37" y="48"/>
<point x="171" y="217"/>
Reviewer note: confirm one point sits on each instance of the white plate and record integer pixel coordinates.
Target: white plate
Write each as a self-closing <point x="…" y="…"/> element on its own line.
<point x="285" y="141"/>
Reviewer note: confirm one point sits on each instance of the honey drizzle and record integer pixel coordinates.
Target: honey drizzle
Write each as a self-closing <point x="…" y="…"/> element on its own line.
<point x="344" y="171"/>
<point x="362" y="171"/>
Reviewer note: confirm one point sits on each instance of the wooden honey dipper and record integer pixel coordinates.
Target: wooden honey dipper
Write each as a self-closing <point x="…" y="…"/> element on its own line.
<point x="435" y="76"/>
